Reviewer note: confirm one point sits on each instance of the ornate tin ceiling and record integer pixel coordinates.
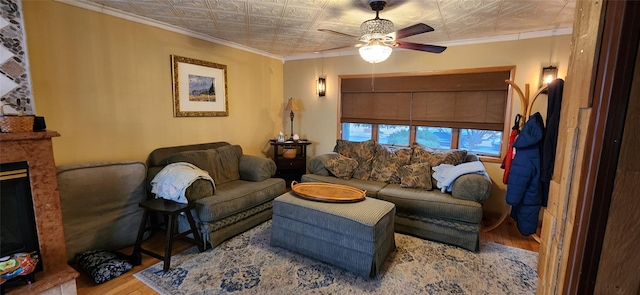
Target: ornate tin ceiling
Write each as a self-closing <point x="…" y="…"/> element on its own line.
<point x="290" y="27"/>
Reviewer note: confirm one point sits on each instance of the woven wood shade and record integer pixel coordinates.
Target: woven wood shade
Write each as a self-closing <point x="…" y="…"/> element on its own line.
<point x="475" y="100"/>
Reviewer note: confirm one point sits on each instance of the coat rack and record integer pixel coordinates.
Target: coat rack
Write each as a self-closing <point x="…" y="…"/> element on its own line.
<point x="526" y="104"/>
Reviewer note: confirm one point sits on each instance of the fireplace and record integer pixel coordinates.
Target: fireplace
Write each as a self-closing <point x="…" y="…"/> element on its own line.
<point x="18" y="233"/>
<point x="30" y="156"/>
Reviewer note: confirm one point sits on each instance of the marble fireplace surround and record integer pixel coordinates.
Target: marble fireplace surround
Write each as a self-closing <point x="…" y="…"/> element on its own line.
<point x="36" y="149"/>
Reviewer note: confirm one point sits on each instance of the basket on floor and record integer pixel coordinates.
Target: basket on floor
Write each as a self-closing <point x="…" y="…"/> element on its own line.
<point x="15" y="123"/>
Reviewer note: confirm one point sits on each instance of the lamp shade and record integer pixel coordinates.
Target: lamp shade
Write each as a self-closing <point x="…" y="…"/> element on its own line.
<point x="375" y="52"/>
<point x="291" y="105"/>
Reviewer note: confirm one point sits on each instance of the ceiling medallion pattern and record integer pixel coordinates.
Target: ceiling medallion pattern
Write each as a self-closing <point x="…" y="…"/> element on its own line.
<point x="289" y="27"/>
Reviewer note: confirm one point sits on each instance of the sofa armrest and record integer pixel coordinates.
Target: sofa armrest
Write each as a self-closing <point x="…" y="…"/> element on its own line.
<point x="317" y="164"/>
<point x="254" y="168"/>
<point x="472" y="187"/>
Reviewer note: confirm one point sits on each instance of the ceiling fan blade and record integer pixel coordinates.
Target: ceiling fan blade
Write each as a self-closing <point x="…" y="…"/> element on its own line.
<point x="338" y="33"/>
<point x="411" y="30"/>
<point x="420" y="47"/>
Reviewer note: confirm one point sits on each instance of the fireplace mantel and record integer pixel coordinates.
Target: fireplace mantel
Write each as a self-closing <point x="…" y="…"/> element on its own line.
<point x="36" y="149"/>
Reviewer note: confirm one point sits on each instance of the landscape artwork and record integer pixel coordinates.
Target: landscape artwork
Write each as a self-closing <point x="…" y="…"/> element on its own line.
<point x="199" y="88"/>
<point x="202" y="88"/>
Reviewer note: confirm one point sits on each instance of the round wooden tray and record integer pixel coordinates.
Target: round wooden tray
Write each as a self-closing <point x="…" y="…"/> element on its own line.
<point x="327" y="192"/>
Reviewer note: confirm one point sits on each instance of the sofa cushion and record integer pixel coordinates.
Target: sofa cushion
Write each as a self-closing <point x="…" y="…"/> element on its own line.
<point x="317" y="164"/>
<point x="431" y="204"/>
<point x="102" y="265"/>
<point x="221" y="163"/>
<point x="237" y="196"/>
<point x="435" y="157"/>
<point x="364" y="152"/>
<point x="99" y="204"/>
<point x="387" y="162"/>
<point x="341" y="166"/>
<point x="416" y="176"/>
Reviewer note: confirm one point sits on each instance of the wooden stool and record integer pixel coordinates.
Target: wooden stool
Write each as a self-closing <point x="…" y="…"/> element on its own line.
<point x="170" y="210"/>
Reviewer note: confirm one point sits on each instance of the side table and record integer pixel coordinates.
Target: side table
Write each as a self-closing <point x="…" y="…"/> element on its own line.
<point x="290" y="168"/>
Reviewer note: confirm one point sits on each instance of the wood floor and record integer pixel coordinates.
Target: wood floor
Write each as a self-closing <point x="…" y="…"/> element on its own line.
<point x="505" y="234"/>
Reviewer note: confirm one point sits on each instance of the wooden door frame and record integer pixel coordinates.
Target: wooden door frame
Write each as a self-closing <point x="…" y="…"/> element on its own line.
<point x="611" y="90"/>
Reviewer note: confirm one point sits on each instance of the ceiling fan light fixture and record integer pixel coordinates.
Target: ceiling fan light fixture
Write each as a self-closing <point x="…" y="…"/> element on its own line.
<point x="375" y="52"/>
<point x="377" y="28"/>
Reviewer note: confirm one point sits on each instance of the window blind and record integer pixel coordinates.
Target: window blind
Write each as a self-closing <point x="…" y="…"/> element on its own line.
<point x="476" y="100"/>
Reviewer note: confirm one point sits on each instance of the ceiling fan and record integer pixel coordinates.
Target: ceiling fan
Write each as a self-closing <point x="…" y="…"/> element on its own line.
<point x="379" y="38"/>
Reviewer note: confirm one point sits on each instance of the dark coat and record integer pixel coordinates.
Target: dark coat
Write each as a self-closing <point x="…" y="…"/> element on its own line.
<point x="523" y="186"/>
<point x="550" y="140"/>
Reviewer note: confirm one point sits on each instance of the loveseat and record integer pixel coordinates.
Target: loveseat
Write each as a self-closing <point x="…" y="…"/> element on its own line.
<point x="242" y="194"/>
<point x="403" y="176"/>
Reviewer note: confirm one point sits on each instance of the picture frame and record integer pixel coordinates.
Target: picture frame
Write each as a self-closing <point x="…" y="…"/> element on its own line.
<point x="199" y="88"/>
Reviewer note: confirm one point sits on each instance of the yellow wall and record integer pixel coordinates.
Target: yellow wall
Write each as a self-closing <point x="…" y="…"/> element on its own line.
<point x="317" y="120"/>
<point x="104" y="83"/>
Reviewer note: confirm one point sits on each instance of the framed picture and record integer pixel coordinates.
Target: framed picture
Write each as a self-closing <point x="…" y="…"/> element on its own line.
<point x="199" y="88"/>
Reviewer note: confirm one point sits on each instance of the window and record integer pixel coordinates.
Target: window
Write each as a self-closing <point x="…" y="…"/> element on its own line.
<point x="436" y="137"/>
<point x="463" y="109"/>
<point x="393" y="134"/>
<point x="482" y="142"/>
<point x="356" y="131"/>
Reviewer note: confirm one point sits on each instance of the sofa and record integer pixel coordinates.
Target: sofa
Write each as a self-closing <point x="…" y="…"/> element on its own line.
<point x="241" y="196"/>
<point x="404" y="176"/>
<point x="99" y="204"/>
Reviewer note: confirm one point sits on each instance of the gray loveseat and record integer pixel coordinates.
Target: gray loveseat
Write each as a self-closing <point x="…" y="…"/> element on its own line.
<point x="452" y="218"/>
<point x="244" y="189"/>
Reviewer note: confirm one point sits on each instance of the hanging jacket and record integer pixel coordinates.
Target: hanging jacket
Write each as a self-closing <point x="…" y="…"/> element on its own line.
<point x="550" y="140"/>
<point x="506" y="163"/>
<point x="523" y="187"/>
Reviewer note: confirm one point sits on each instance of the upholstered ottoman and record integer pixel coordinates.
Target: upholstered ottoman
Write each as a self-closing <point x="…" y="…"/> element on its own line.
<point x="355" y="236"/>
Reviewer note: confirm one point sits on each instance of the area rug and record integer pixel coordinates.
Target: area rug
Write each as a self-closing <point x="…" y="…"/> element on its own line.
<point x="246" y="264"/>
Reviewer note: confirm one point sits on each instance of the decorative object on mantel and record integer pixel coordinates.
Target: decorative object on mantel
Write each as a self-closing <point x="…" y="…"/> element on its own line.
<point x="291" y="106"/>
<point x="199" y="88"/>
<point x="15" y="122"/>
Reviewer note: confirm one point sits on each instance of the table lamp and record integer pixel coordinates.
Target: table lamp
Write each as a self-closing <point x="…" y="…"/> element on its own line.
<point x="291" y="106"/>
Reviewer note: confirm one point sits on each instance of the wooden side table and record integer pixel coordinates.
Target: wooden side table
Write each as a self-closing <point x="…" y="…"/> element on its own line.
<point x="170" y="211"/>
<point x="290" y="168"/>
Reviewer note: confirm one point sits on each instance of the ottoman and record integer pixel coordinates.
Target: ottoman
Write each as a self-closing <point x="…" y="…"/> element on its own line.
<point x="354" y="236"/>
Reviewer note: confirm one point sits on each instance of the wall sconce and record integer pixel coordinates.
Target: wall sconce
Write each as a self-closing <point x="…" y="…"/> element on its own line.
<point x="547" y="75"/>
<point x="321" y="86"/>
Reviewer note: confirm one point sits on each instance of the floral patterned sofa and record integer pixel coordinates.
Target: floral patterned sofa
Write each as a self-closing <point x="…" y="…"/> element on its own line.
<point x="403" y="176"/>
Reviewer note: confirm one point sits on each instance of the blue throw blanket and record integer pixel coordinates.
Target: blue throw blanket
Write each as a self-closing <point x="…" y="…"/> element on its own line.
<point x="173" y="180"/>
<point x="446" y="174"/>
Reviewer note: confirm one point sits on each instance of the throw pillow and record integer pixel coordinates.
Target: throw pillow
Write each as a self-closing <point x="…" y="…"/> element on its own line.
<point x="102" y="265"/>
<point x="363" y="152"/>
<point x="416" y="176"/>
<point x="341" y="166"/>
<point x="203" y="159"/>
<point x="435" y="157"/>
<point x="387" y="162"/>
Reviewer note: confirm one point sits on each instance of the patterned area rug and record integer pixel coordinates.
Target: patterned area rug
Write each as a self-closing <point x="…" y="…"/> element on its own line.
<point x="246" y="264"/>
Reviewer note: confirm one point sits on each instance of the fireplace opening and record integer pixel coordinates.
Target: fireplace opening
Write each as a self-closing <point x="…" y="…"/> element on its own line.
<point x="18" y="232"/>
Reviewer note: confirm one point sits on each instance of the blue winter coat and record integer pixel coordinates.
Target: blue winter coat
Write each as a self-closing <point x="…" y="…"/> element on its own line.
<point x="523" y="187"/>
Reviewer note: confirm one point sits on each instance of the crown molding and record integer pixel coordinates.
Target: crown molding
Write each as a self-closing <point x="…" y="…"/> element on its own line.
<point x="154" y="23"/>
